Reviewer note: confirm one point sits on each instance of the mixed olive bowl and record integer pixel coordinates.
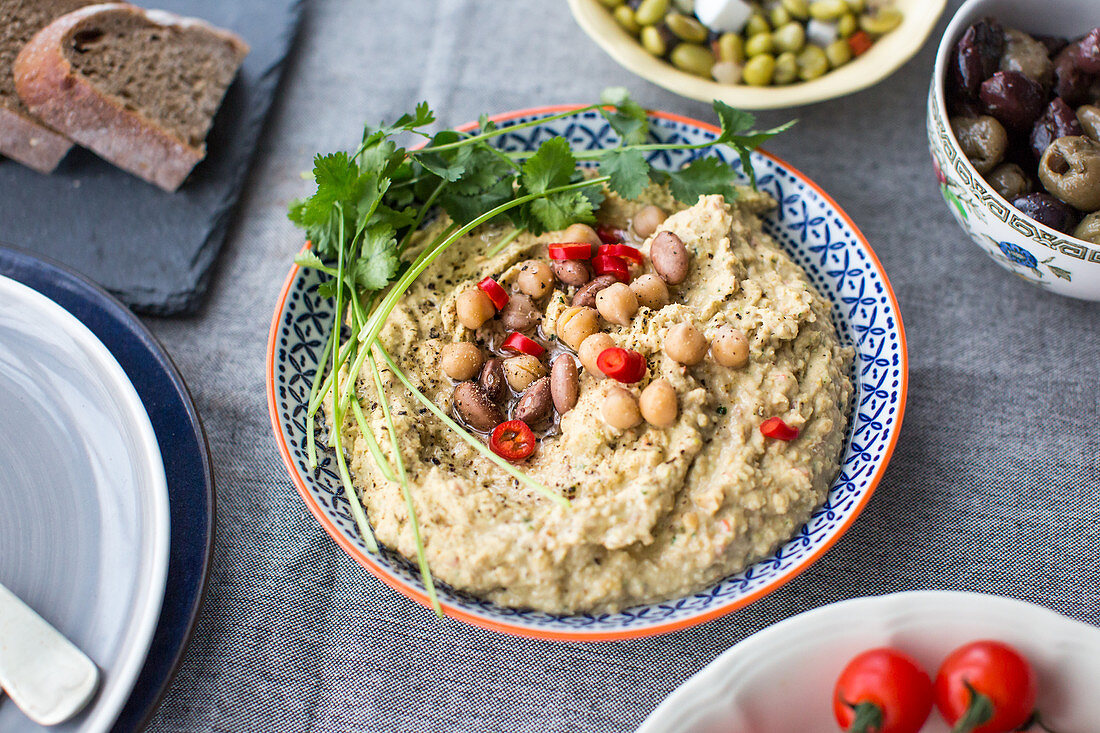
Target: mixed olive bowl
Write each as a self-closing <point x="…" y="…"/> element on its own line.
<point x="810" y="227"/>
<point x="885" y="57"/>
<point x="1036" y="253"/>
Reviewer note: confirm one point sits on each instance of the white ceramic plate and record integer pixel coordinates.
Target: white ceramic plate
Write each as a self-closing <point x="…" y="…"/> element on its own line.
<point x="750" y="687"/>
<point x="84" y="525"/>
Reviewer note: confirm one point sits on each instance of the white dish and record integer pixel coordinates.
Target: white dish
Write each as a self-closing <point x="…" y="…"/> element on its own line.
<point x="750" y="688"/>
<point x="84" y="525"/>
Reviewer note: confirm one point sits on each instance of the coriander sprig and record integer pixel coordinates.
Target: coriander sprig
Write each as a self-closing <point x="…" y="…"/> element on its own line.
<point x="368" y="204"/>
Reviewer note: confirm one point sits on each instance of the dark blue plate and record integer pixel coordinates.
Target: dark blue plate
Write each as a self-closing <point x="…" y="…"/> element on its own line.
<point x="182" y="445"/>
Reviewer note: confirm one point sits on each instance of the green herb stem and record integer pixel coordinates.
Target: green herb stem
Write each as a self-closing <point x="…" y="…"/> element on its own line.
<point x="421" y="556"/>
<point x="465" y="436"/>
<point x="504" y="242"/>
<point x="357" y="512"/>
<point x="511" y="128"/>
<point x="372" y="444"/>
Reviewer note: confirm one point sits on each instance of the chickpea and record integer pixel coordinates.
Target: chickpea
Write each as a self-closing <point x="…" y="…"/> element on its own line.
<point x="684" y="344"/>
<point x="461" y="361"/>
<point x="620" y="409"/>
<point x="581" y="233"/>
<point x="648" y="219"/>
<point x="591" y="349"/>
<point x="730" y="347"/>
<point x="651" y="291"/>
<point x="617" y="303"/>
<point x="520" y="371"/>
<point x="474" y="308"/>
<point x="535" y="278"/>
<point x="658" y="403"/>
<point x="577" y="323"/>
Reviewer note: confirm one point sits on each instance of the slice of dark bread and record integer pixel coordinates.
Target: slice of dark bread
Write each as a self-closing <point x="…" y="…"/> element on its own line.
<point x="22" y="136"/>
<point x="138" y="87"/>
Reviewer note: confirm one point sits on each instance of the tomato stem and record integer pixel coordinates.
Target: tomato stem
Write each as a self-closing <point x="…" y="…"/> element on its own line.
<point x="979" y="711"/>
<point x="868" y="718"/>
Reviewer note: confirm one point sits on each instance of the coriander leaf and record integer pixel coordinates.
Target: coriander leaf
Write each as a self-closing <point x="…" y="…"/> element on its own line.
<point x="448" y="164"/>
<point x="309" y="258"/>
<point x="551" y="166"/>
<point x="421" y="118"/>
<point x="628" y="170"/>
<point x="701" y="177"/>
<point x="559" y="210"/>
<point x="733" y="121"/>
<point x="377" y="260"/>
<point x="629" y="120"/>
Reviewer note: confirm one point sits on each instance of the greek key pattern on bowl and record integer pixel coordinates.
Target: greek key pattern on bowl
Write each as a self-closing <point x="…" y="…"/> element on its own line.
<point x="944" y="141"/>
<point x="819" y="238"/>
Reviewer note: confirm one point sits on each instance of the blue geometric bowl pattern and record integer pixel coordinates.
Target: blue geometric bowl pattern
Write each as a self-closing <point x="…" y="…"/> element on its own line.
<point x="811" y="228"/>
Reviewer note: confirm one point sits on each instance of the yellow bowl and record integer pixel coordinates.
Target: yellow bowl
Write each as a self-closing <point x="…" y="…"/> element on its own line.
<point x="883" y="59"/>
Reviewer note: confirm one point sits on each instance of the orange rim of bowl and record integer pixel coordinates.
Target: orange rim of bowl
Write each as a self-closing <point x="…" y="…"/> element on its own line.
<point x="417" y="595"/>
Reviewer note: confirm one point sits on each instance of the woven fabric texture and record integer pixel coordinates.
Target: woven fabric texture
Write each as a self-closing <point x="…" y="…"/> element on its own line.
<point x="994" y="486"/>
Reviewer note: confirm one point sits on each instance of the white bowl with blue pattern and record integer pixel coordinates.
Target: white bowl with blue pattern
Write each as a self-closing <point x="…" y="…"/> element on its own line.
<point x="810" y="227"/>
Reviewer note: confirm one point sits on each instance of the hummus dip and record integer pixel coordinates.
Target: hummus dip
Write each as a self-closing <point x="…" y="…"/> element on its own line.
<point x="656" y="512"/>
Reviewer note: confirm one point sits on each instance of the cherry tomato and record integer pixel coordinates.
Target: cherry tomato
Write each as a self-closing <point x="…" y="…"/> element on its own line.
<point x="623" y="250"/>
<point x="512" y="440"/>
<point x="986" y="687"/>
<point x="570" y="251"/>
<point x="516" y="341"/>
<point x="623" y="365"/>
<point x="610" y="235"/>
<point x="859" y="42"/>
<point x="882" y="691"/>
<point x="611" y="265"/>
<point x="774" y="427"/>
<point x="496" y="293"/>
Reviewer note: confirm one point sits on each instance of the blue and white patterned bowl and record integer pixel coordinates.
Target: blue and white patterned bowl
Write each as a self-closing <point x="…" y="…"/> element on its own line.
<point x="810" y="227"/>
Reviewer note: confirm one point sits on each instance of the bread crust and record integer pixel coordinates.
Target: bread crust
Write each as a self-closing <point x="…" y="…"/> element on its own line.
<point x="65" y="100"/>
<point x="30" y="143"/>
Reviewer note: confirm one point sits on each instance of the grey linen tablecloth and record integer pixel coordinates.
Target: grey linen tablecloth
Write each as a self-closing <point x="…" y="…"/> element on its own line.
<point x="994" y="486"/>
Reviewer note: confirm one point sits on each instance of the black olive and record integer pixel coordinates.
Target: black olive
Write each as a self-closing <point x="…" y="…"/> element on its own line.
<point x="1046" y="209"/>
<point x="977" y="55"/>
<point x="1013" y="98"/>
<point x="1059" y="120"/>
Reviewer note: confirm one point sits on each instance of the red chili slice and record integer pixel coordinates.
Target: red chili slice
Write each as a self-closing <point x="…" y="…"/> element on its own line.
<point x="611" y="265"/>
<point x="859" y="42"/>
<point x="610" y="235"/>
<point x="774" y="427"/>
<point x="512" y="440"/>
<point x="495" y="292"/>
<point x="622" y="365"/>
<point x="516" y="341"/>
<point x="571" y="251"/>
<point x="623" y="250"/>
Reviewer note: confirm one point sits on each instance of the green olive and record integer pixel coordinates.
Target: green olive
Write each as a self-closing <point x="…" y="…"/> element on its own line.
<point x="828" y="9"/>
<point x="812" y="63"/>
<point x="757" y="24"/>
<point x="611" y="3"/>
<point x="759" y="44"/>
<point x="857" y="6"/>
<point x="654" y="41"/>
<point x="625" y="16"/>
<point x="838" y="52"/>
<point x="650" y="12"/>
<point x="847" y="25"/>
<point x="791" y="37"/>
<point x="692" y="58"/>
<point x="799" y="9"/>
<point x="786" y="68"/>
<point x="687" y="29"/>
<point x="779" y="16"/>
<point x="759" y="70"/>
<point x="731" y="48"/>
<point x="880" y="22"/>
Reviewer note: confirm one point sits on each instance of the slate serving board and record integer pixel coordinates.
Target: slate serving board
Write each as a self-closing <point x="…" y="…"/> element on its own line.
<point x="152" y="249"/>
